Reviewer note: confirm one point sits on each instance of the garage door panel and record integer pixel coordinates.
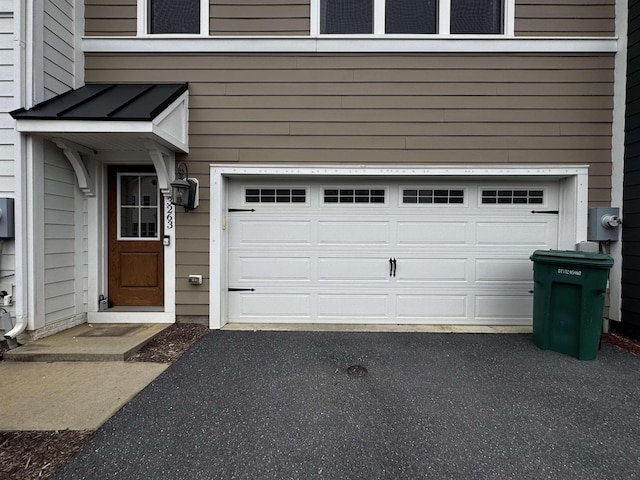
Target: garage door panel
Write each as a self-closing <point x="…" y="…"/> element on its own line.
<point x="353" y="232"/>
<point x="513" y="233"/>
<point x="366" y="269"/>
<point x="501" y="270"/>
<point x="425" y="306"/>
<point x="434" y="232"/>
<point x="250" y="306"/>
<point x="349" y="306"/>
<point x="506" y="307"/>
<point x="431" y="270"/>
<point x="268" y="269"/>
<point x="275" y="232"/>
<point x="330" y="263"/>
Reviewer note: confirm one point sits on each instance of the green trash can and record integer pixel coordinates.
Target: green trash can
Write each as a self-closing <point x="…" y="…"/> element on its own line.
<point x="568" y="301"/>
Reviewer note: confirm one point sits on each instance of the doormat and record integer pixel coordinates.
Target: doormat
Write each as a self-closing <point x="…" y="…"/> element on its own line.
<point x="110" y="331"/>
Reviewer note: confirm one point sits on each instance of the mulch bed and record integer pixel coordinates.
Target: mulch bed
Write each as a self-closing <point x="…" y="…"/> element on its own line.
<point x="171" y="343"/>
<point x="3" y="348"/>
<point x="620" y="341"/>
<point x="31" y="455"/>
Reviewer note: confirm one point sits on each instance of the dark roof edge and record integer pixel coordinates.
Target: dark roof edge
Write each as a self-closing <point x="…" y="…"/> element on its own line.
<point x="183" y="88"/>
<point x="160" y="108"/>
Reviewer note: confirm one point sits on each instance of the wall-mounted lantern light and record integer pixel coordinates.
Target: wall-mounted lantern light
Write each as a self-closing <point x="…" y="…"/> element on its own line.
<point x="184" y="190"/>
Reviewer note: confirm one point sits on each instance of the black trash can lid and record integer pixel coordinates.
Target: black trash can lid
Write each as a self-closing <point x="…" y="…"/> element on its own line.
<point x="572" y="257"/>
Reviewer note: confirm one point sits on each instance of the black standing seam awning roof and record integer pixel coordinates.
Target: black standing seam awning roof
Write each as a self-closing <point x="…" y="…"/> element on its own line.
<point x="118" y="102"/>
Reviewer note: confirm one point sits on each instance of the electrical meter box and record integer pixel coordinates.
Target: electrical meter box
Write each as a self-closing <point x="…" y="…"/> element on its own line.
<point x="7" y="222"/>
<point x="603" y="224"/>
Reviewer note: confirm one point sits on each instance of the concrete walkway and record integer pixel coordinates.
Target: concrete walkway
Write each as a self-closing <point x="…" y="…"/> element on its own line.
<point x="282" y="405"/>
<point x="68" y="395"/>
<point x="75" y="379"/>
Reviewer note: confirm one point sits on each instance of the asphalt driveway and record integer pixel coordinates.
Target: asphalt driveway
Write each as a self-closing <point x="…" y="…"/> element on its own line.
<point x="281" y="405"/>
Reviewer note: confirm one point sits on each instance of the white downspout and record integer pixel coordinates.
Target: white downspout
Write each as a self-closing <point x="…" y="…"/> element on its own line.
<point x="20" y="100"/>
<point x="617" y="156"/>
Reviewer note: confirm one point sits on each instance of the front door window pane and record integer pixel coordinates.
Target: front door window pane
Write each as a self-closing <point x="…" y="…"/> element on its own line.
<point x="128" y="222"/>
<point x="346" y="16"/>
<point x="174" y="16"/>
<point x="411" y="16"/>
<point x="139" y="207"/>
<point x="476" y="16"/>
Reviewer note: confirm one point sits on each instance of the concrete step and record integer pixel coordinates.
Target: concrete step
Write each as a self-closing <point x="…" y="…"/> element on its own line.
<point x="88" y="343"/>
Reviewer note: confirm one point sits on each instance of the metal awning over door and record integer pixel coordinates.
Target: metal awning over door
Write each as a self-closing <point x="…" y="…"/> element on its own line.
<point x="98" y="118"/>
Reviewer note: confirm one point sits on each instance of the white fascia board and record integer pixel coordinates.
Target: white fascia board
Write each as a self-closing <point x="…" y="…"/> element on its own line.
<point x="352" y="44"/>
<point x="340" y="170"/>
<point x="142" y="129"/>
<point x="82" y="126"/>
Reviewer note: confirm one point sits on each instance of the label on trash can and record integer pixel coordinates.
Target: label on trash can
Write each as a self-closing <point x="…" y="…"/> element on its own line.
<point x="566" y="271"/>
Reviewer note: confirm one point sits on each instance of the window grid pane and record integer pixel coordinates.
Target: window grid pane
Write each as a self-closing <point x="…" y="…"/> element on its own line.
<point x="275" y="195"/>
<point x="359" y="195"/>
<point x="476" y="16"/>
<point x="138" y="204"/>
<point x="431" y="196"/>
<point x="512" y="197"/>
<point x="174" y="16"/>
<point x="346" y="16"/>
<point x="411" y="16"/>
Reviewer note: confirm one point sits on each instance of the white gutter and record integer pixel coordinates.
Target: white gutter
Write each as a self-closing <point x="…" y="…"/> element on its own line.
<point x="20" y="100"/>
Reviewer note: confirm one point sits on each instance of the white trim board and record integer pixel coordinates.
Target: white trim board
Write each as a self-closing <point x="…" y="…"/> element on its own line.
<point x="352" y="44"/>
<point x="98" y="257"/>
<point x="573" y="204"/>
<point x="617" y="157"/>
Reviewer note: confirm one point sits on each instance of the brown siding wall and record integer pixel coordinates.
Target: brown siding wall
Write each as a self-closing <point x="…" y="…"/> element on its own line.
<point x="565" y="18"/>
<point x="110" y="17"/>
<point x="259" y="17"/>
<point x="227" y="17"/>
<point x="291" y="17"/>
<point x="372" y="109"/>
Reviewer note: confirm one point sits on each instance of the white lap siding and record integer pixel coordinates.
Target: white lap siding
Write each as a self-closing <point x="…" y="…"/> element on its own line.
<point x="65" y="241"/>
<point x="7" y="136"/>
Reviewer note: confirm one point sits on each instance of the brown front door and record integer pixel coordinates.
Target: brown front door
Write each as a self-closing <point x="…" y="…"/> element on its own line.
<point x="136" y="266"/>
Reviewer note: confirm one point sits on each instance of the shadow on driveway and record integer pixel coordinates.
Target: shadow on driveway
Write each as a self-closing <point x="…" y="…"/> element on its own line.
<point x="281" y="405"/>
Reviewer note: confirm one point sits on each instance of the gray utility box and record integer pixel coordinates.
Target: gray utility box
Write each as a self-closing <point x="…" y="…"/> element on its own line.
<point x="603" y="224"/>
<point x="7" y="221"/>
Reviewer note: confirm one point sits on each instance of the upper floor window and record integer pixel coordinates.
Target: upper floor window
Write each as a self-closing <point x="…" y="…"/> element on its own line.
<point x="173" y="17"/>
<point x="414" y="16"/>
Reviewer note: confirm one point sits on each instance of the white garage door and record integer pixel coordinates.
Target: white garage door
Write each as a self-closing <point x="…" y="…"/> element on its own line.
<point x="407" y="252"/>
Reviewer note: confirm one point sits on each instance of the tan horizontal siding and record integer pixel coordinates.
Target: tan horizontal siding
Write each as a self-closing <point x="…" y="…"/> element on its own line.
<point x="110" y="17"/>
<point x="259" y="17"/>
<point x="375" y="109"/>
<point x="565" y="18"/>
<point x="292" y="17"/>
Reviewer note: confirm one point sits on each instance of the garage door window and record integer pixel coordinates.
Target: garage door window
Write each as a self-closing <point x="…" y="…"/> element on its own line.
<point x="275" y="195"/>
<point x="513" y="197"/>
<point x="354" y="195"/>
<point x="414" y="196"/>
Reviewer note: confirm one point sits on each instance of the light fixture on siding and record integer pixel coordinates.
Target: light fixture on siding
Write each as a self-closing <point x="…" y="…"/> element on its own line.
<point x="184" y="190"/>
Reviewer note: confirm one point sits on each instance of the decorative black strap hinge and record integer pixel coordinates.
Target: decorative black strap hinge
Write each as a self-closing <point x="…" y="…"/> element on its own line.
<point x="242" y="289"/>
<point x="232" y="210"/>
<point x="549" y="212"/>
